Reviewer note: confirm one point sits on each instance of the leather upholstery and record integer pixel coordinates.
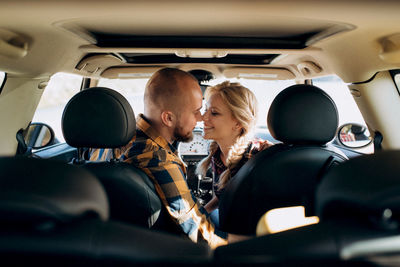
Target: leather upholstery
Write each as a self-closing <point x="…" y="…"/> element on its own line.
<point x="303" y="114"/>
<point x="33" y="190"/>
<point x="358" y="206"/>
<point x="321" y="244"/>
<point x="102" y="118"/>
<point x="55" y="214"/>
<point x="304" y="118"/>
<point x="98" y="117"/>
<point x="133" y="198"/>
<point x="363" y="187"/>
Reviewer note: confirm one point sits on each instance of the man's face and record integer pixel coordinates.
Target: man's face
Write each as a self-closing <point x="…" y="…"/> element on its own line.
<point x="189" y="109"/>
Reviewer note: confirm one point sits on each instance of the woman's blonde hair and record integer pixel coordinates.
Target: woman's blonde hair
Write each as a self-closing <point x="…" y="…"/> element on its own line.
<point x="243" y="105"/>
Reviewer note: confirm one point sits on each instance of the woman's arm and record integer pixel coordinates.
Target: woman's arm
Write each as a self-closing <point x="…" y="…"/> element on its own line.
<point x="212" y="204"/>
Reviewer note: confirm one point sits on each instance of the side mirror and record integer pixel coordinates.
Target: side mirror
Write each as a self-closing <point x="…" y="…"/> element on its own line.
<point x="39" y="135"/>
<point x="354" y="135"/>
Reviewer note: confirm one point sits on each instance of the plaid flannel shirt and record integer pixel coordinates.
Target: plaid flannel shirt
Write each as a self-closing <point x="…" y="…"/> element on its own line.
<point x="159" y="160"/>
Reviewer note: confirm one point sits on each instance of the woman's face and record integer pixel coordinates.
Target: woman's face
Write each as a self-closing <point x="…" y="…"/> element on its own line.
<point x="219" y="124"/>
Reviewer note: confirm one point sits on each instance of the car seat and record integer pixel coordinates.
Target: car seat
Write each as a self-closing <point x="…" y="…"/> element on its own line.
<point x="358" y="206"/>
<point x="102" y="118"/>
<point x="304" y="118"/>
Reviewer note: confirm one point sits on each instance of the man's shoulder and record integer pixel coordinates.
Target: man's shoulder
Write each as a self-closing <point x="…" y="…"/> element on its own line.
<point x="143" y="148"/>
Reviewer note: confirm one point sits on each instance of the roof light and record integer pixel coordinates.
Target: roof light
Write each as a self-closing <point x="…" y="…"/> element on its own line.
<point x="198" y="53"/>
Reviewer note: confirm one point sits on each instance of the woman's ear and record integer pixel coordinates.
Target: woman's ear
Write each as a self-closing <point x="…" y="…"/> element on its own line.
<point x="168" y="118"/>
<point x="236" y="126"/>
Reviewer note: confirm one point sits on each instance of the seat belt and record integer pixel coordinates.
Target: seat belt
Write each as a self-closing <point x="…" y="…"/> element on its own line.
<point x="378" y="138"/>
<point x="22" y="148"/>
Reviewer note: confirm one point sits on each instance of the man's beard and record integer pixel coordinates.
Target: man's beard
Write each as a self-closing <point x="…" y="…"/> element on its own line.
<point x="181" y="137"/>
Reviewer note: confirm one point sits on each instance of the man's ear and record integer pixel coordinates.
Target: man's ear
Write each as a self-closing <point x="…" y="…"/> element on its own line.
<point x="168" y="118"/>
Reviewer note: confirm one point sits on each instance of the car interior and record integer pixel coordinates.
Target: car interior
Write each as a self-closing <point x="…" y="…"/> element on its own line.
<point x="326" y="75"/>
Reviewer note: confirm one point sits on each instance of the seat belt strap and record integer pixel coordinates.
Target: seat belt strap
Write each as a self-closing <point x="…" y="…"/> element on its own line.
<point x="378" y="138"/>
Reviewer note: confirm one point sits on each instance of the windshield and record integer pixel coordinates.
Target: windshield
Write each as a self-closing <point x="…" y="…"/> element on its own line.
<point x="265" y="92"/>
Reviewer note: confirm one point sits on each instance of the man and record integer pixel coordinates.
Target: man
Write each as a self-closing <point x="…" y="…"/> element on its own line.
<point x="172" y="101"/>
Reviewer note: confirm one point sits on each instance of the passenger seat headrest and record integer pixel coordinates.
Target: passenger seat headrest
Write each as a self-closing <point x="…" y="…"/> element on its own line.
<point x="363" y="186"/>
<point x="303" y="114"/>
<point x="37" y="190"/>
<point x="98" y="117"/>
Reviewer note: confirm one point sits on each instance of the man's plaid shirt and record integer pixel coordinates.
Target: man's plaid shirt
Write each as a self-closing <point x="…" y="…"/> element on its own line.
<point x="159" y="160"/>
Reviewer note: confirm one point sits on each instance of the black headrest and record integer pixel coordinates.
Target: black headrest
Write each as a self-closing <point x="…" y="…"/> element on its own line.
<point x="366" y="185"/>
<point x="303" y="114"/>
<point x="98" y="118"/>
<point x="37" y="190"/>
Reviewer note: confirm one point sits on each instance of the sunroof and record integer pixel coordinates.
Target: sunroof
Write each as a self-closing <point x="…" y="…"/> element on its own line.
<point x="234" y="42"/>
<point x="137" y="58"/>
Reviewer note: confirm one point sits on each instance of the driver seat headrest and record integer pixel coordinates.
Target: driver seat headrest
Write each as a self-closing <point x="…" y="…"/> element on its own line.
<point x="37" y="190"/>
<point x="98" y="117"/>
<point x="303" y="114"/>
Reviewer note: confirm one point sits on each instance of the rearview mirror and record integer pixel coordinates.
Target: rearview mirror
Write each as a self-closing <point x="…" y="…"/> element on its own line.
<point x="39" y="135"/>
<point x="354" y="135"/>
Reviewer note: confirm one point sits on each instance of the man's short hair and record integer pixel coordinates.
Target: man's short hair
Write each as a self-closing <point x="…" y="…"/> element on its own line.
<point x="163" y="87"/>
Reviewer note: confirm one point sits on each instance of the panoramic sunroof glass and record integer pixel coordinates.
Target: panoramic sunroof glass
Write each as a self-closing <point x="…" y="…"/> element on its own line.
<point x="157" y="41"/>
<point x="136" y="58"/>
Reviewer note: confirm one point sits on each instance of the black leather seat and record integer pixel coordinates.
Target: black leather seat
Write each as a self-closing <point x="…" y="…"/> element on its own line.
<point x="56" y="214"/>
<point x="359" y="209"/>
<point x="304" y="118"/>
<point x="102" y="118"/>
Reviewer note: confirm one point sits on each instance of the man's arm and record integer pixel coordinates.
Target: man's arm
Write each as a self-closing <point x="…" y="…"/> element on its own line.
<point x="181" y="203"/>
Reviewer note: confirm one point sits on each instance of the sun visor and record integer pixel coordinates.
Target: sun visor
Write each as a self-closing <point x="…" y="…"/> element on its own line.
<point x="259" y="73"/>
<point x="95" y="65"/>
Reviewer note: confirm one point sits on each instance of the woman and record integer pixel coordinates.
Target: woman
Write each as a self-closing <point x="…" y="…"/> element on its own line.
<point x="229" y="121"/>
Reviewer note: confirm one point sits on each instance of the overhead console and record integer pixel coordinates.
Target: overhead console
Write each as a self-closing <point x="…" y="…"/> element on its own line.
<point x="226" y="43"/>
<point x="291" y="33"/>
<point x="117" y="47"/>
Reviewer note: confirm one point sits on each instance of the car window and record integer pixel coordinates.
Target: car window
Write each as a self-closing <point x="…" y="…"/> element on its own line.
<point x="347" y="108"/>
<point x="265" y="91"/>
<point x="131" y="89"/>
<point x="340" y="93"/>
<point x="60" y="89"/>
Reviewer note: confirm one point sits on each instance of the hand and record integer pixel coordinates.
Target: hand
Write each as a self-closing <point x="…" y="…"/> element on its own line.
<point x="260" y="144"/>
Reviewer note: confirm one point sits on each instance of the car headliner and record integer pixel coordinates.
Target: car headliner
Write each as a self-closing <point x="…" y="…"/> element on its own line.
<point x="57" y="31"/>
